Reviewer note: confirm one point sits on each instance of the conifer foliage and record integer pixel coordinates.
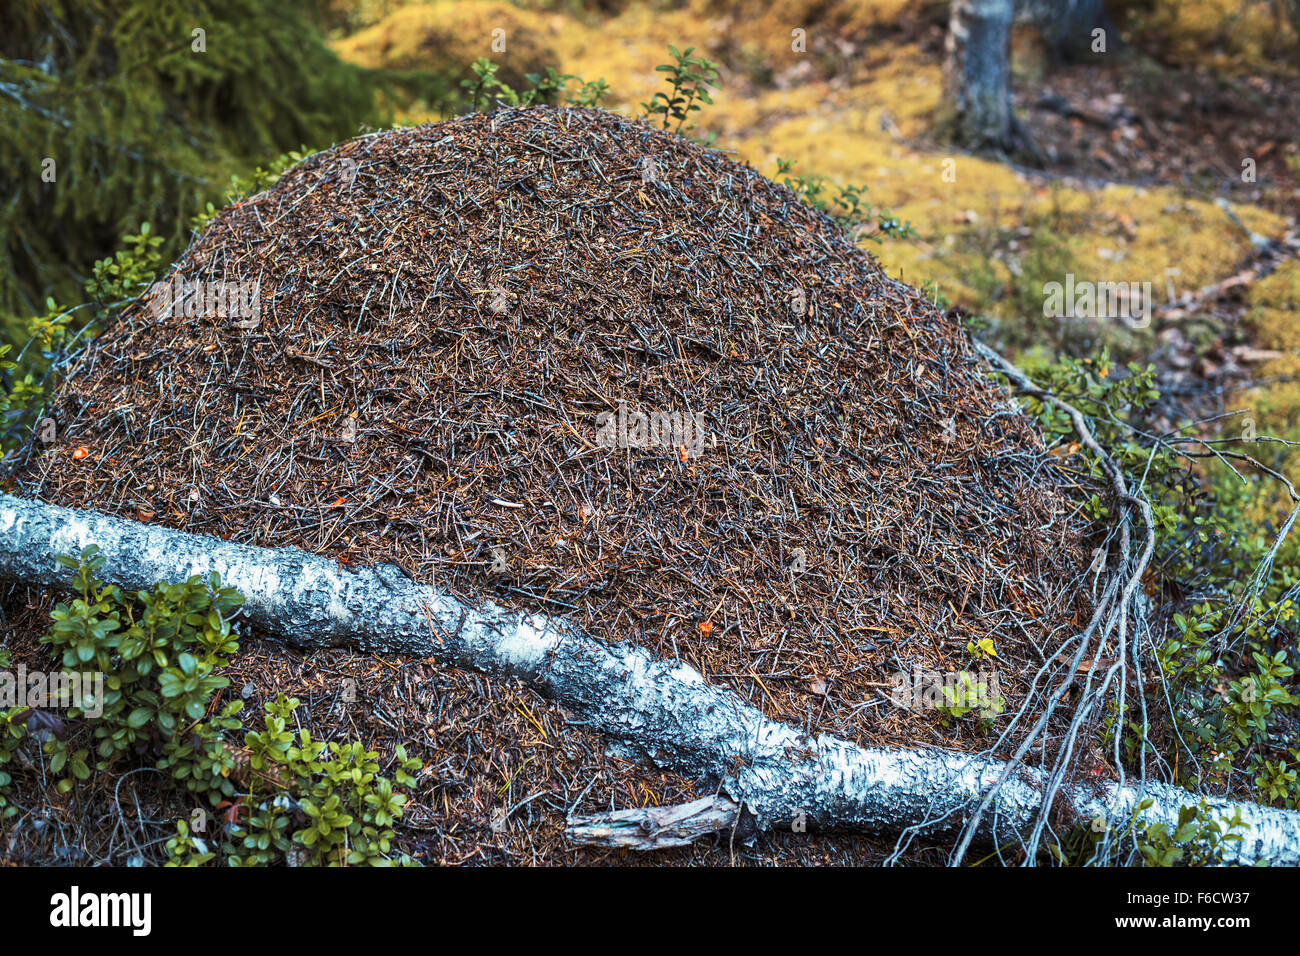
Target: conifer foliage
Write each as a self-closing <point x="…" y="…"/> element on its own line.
<point x="122" y="111"/>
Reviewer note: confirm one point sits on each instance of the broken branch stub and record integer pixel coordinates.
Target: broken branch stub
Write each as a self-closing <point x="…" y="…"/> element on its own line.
<point x="653" y="828"/>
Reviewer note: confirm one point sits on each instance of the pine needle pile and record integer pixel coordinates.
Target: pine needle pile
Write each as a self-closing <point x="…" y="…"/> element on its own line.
<point x="465" y="328"/>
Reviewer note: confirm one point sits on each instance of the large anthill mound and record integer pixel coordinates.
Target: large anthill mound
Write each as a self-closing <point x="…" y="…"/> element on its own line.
<point x="460" y="325"/>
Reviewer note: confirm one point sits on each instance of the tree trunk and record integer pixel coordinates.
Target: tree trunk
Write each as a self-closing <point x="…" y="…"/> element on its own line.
<point x="977" y="80"/>
<point x="660" y="711"/>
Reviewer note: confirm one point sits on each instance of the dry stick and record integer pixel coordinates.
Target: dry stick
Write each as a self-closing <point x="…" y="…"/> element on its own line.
<point x="663" y="711"/>
<point x="1119" y="485"/>
<point x="1055" y="778"/>
<point x="653" y="828"/>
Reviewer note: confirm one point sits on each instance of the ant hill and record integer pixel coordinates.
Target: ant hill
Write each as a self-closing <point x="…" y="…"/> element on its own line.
<point x="560" y="359"/>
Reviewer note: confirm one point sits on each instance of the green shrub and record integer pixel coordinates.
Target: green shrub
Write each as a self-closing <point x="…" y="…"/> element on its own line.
<point x="1197" y="840"/>
<point x="11" y="735"/>
<point x="690" y="77"/>
<point x="848" y="206"/>
<point x="485" y="88"/>
<point x="279" y="797"/>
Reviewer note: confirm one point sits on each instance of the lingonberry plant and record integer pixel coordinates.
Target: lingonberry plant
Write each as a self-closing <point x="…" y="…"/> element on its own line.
<point x="274" y="796"/>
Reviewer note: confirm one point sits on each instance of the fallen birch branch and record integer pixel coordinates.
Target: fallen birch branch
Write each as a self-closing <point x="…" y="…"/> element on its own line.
<point x="660" y="711"/>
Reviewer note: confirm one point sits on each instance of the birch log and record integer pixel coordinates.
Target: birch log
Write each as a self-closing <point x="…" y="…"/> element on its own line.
<point x="661" y="711"/>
